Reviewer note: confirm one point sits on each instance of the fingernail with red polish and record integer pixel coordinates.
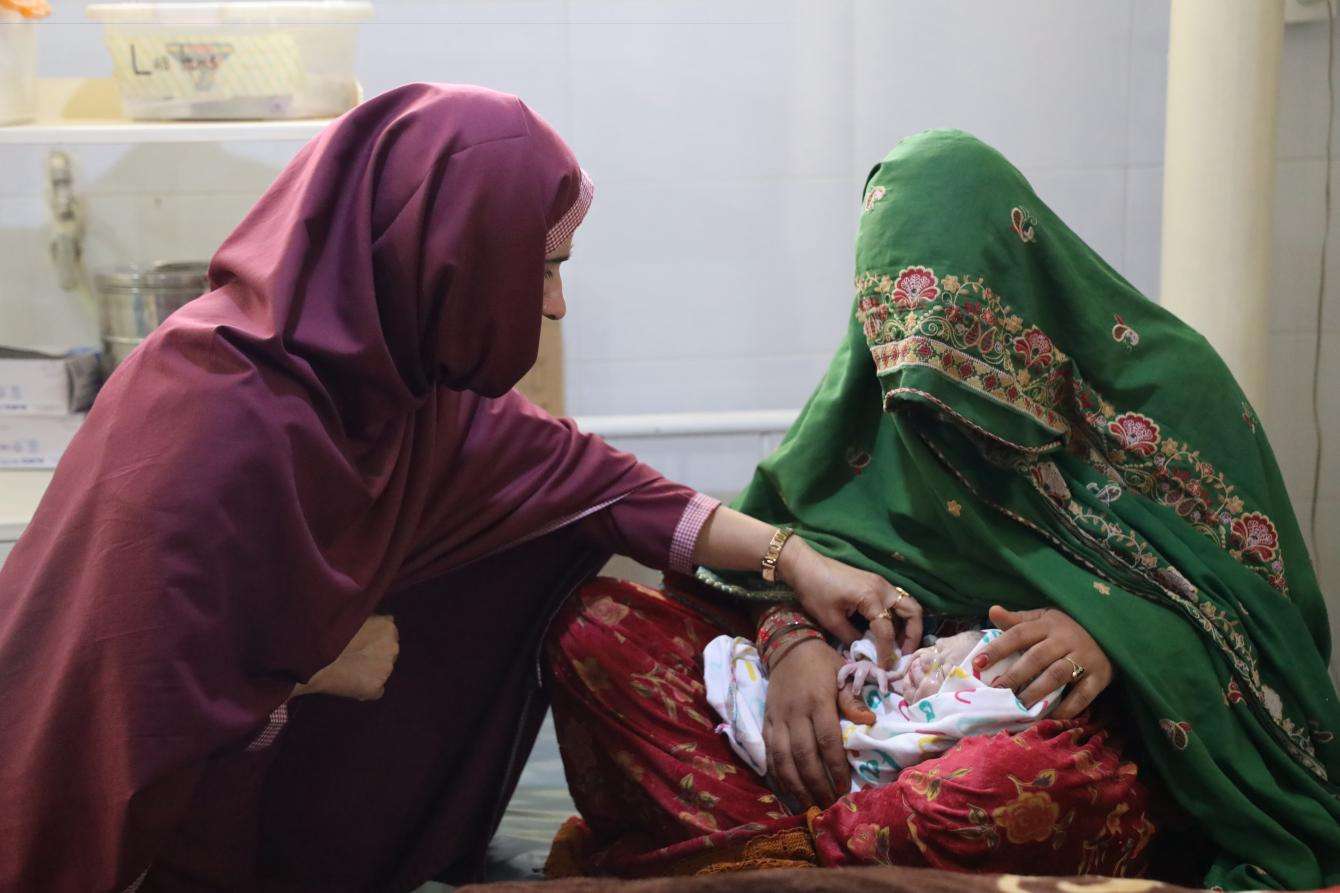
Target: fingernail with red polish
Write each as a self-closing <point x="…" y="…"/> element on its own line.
<point x="979" y="661"/>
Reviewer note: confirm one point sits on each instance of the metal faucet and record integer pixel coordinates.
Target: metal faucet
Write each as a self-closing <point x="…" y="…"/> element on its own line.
<point x="67" y="219"/>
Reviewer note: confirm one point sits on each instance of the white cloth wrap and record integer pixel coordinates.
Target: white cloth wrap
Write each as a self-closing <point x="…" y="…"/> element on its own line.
<point x="902" y="735"/>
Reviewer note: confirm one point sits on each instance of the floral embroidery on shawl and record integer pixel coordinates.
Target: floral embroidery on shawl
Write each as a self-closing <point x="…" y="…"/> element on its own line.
<point x="1135" y="432"/>
<point x="1255" y="535"/>
<point x="1035" y="347"/>
<point x="914" y="286"/>
<point x="965" y="331"/>
<point x="960" y="328"/>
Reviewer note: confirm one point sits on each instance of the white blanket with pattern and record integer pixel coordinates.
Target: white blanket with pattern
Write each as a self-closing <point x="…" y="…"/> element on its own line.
<point x="903" y="733"/>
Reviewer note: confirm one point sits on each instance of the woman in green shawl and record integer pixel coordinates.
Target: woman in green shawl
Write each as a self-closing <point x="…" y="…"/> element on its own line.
<point x="1008" y="423"/>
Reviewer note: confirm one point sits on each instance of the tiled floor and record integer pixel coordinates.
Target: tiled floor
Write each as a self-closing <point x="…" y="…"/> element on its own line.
<point x="540" y="804"/>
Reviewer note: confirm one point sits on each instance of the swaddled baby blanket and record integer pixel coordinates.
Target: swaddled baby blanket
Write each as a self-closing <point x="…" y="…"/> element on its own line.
<point x="903" y="733"/>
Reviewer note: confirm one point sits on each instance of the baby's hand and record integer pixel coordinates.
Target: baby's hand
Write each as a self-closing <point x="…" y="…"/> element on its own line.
<point x="858" y="671"/>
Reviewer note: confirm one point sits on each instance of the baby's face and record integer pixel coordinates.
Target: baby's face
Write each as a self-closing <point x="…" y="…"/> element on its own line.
<point x="929" y="666"/>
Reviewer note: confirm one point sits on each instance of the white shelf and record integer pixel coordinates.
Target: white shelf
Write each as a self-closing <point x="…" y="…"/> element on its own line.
<point x="72" y="111"/>
<point x="71" y="132"/>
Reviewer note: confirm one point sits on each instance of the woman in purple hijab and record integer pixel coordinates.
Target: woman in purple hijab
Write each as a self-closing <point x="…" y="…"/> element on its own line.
<point x="328" y="435"/>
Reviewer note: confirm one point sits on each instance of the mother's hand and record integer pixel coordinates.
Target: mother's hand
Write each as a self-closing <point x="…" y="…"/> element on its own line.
<point x="831" y="592"/>
<point x="800" y="724"/>
<point x="1049" y="640"/>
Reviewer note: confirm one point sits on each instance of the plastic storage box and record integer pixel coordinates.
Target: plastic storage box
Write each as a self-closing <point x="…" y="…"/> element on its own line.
<point x="239" y="61"/>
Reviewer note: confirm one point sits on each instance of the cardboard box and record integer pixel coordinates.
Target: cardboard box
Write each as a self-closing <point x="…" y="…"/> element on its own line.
<point x="33" y="383"/>
<point x="36" y="441"/>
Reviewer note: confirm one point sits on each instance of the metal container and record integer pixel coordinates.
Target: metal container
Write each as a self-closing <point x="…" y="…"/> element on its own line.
<point x="135" y="299"/>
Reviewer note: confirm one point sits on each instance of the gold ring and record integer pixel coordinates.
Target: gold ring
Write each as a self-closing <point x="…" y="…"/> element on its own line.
<point x="902" y="594"/>
<point x="886" y="614"/>
<point x="1078" y="672"/>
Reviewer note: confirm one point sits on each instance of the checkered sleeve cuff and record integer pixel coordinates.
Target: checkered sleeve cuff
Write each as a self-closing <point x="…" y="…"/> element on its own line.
<point x="685" y="540"/>
<point x="268" y="735"/>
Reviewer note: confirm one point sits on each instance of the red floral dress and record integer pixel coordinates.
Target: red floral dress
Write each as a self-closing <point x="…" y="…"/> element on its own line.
<point x="655" y="783"/>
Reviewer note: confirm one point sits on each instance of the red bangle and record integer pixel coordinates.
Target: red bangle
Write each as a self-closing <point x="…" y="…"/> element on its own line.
<point x="772" y="634"/>
<point x="778" y="618"/>
<point x="782" y="639"/>
<point x="774" y="656"/>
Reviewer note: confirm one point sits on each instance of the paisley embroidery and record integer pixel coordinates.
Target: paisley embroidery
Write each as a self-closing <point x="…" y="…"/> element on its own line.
<point x="1248" y="417"/>
<point x="1104" y="493"/>
<point x="1123" y="333"/>
<point x="1022" y="223"/>
<point x="871" y="197"/>
<point x="857" y="458"/>
<point x="1051" y="482"/>
<point x="1179" y="733"/>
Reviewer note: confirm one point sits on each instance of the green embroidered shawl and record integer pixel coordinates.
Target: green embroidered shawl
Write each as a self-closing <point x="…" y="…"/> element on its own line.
<point x="1010" y="421"/>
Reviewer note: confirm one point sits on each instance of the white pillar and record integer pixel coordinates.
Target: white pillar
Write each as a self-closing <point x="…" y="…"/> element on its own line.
<point x="1219" y="176"/>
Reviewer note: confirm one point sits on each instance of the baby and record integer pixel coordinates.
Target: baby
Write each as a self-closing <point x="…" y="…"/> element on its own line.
<point x="917" y="675"/>
<point x="928" y="702"/>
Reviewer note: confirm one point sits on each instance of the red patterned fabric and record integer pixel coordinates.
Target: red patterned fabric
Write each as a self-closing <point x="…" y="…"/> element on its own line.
<point x="655" y="784"/>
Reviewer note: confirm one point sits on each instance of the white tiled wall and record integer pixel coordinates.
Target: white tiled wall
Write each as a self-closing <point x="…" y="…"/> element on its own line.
<point x="729" y="142"/>
<point x="1300" y="218"/>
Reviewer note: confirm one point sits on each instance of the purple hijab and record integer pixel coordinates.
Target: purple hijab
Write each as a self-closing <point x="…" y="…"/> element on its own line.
<point x="275" y="458"/>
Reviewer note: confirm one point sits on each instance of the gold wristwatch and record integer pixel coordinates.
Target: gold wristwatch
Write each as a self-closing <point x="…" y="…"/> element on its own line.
<point x="774" y="553"/>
